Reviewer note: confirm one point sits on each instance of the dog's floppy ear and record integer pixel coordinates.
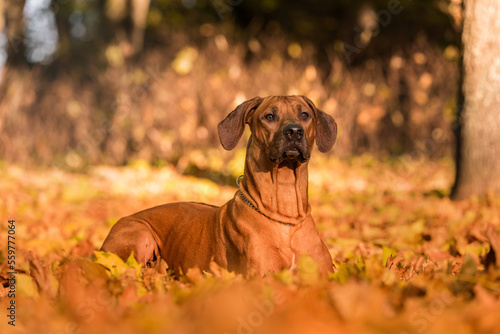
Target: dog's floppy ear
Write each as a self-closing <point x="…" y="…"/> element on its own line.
<point x="326" y="128"/>
<point x="232" y="127"/>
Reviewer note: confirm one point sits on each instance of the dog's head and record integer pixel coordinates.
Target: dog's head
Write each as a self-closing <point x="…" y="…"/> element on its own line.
<point x="286" y="126"/>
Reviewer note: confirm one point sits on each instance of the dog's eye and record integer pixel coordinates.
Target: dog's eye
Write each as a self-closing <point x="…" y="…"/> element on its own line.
<point x="304" y="115"/>
<point x="270" y="117"/>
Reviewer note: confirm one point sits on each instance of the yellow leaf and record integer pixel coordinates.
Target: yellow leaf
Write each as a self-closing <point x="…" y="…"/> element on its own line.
<point x="284" y="276"/>
<point x="307" y="269"/>
<point x="132" y="263"/>
<point x="112" y="262"/>
<point x="386" y="252"/>
<point x="25" y="285"/>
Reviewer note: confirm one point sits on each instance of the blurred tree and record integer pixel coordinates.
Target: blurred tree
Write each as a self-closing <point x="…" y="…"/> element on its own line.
<point x="14" y="28"/>
<point x="2" y="18"/>
<point x="134" y="11"/>
<point x="478" y="149"/>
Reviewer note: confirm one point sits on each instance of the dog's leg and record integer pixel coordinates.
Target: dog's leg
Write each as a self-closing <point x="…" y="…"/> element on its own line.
<point x="129" y="236"/>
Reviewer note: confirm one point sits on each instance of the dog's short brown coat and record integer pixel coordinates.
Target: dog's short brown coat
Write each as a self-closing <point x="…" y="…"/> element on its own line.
<point x="267" y="226"/>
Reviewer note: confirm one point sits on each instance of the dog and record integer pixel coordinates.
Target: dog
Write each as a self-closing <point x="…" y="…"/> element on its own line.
<point x="267" y="225"/>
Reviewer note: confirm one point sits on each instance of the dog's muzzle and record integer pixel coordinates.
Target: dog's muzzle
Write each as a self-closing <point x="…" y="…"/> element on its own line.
<point x="291" y="144"/>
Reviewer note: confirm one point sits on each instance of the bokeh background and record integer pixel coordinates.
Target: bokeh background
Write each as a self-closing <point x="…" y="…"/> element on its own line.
<point x="90" y="82"/>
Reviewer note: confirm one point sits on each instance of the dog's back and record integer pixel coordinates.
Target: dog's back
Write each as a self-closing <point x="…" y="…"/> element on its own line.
<point x="182" y="233"/>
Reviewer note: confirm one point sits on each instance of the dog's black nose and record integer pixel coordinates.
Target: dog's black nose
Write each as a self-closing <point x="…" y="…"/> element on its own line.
<point x="293" y="132"/>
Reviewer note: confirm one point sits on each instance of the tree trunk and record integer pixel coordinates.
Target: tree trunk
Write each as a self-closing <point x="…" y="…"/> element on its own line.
<point x="478" y="152"/>
<point x="2" y="16"/>
<point x="14" y="27"/>
<point x="140" y="9"/>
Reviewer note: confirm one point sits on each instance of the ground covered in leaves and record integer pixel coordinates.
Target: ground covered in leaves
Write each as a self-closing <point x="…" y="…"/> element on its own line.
<point x="409" y="260"/>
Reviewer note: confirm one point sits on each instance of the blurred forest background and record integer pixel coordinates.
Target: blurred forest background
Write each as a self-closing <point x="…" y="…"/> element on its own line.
<point x="116" y="81"/>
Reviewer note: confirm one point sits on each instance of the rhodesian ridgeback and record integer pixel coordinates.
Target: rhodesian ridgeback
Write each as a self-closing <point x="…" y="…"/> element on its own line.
<point x="267" y="225"/>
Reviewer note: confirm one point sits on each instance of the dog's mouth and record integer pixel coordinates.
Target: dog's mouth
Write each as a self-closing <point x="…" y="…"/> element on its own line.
<point x="293" y="153"/>
<point x="290" y="154"/>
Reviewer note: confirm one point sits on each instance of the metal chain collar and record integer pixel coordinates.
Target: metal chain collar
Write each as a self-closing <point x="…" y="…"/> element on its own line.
<point x="256" y="209"/>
